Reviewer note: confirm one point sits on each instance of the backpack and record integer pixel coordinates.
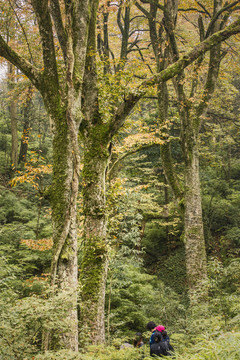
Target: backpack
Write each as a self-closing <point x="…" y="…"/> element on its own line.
<point x="160" y="348"/>
<point x="164" y="348"/>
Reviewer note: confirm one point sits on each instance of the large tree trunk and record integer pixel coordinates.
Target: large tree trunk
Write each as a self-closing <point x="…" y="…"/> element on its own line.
<point x="93" y="268"/>
<point x="96" y="138"/>
<point x="193" y="230"/>
<point x="63" y="198"/>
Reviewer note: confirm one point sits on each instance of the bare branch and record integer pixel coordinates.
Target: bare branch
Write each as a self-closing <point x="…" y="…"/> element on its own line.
<point x="191" y="9"/>
<point x="203" y="7"/>
<point x="141" y="8"/>
<point x="137" y="16"/>
<point x="119" y="20"/>
<point x="142" y="57"/>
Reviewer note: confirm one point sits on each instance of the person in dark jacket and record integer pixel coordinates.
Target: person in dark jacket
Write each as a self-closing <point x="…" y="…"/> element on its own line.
<point x="151" y="326"/>
<point x="161" y="346"/>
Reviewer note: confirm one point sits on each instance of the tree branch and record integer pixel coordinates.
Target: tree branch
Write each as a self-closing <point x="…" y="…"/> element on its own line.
<point x="142" y="57"/>
<point x="141" y="8"/>
<point x="203" y="7"/>
<point x="45" y="29"/>
<point x="172" y="70"/>
<point x="119" y="20"/>
<point x="153" y="2"/>
<point x="22" y="64"/>
<point x="126" y="154"/>
<point x="191" y="9"/>
<point x="58" y="22"/>
<point x="125" y="37"/>
<point x="216" y="16"/>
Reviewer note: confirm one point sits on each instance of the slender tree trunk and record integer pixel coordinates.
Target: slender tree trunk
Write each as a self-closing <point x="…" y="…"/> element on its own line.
<point x="13" y="117"/>
<point x="14" y="133"/>
<point x="94" y="264"/>
<point x="24" y="138"/>
<point x="26" y="128"/>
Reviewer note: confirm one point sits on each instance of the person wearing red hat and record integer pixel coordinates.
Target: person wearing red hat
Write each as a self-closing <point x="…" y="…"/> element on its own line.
<point x="151" y="326"/>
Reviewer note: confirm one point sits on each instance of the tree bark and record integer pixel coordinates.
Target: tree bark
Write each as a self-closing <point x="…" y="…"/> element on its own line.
<point x="190" y="125"/>
<point x="196" y="264"/>
<point x="96" y="139"/>
<point x="94" y="263"/>
<point x="63" y="199"/>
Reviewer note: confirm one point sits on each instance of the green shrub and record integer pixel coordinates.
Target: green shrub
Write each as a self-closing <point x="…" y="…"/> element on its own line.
<point x="24" y="320"/>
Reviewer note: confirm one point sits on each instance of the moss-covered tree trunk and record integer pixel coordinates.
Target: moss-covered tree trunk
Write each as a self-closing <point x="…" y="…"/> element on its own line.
<point x="96" y="139"/>
<point x="61" y="89"/>
<point x="191" y="119"/>
<point x="63" y="199"/>
<point x="194" y="241"/>
<point x="93" y="267"/>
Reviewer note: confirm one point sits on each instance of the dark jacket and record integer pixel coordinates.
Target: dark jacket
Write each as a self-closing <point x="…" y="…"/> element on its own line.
<point x="160" y="346"/>
<point x="159" y="349"/>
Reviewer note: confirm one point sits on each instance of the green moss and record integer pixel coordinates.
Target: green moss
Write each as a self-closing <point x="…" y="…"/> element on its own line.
<point x="95" y="152"/>
<point x="92" y="268"/>
<point x="67" y="251"/>
<point x="195" y="230"/>
<point x="57" y="191"/>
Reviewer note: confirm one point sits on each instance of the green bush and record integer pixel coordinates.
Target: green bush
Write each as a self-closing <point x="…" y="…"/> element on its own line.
<point x="223" y="347"/>
<point x="24" y="320"/>
<point x="98" y="353"/>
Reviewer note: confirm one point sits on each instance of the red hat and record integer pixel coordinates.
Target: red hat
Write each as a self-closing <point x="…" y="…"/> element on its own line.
<point x="160" y="328"/>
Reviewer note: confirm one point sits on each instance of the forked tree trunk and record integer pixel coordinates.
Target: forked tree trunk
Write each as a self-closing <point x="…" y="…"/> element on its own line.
<point x="94" y="264"/>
